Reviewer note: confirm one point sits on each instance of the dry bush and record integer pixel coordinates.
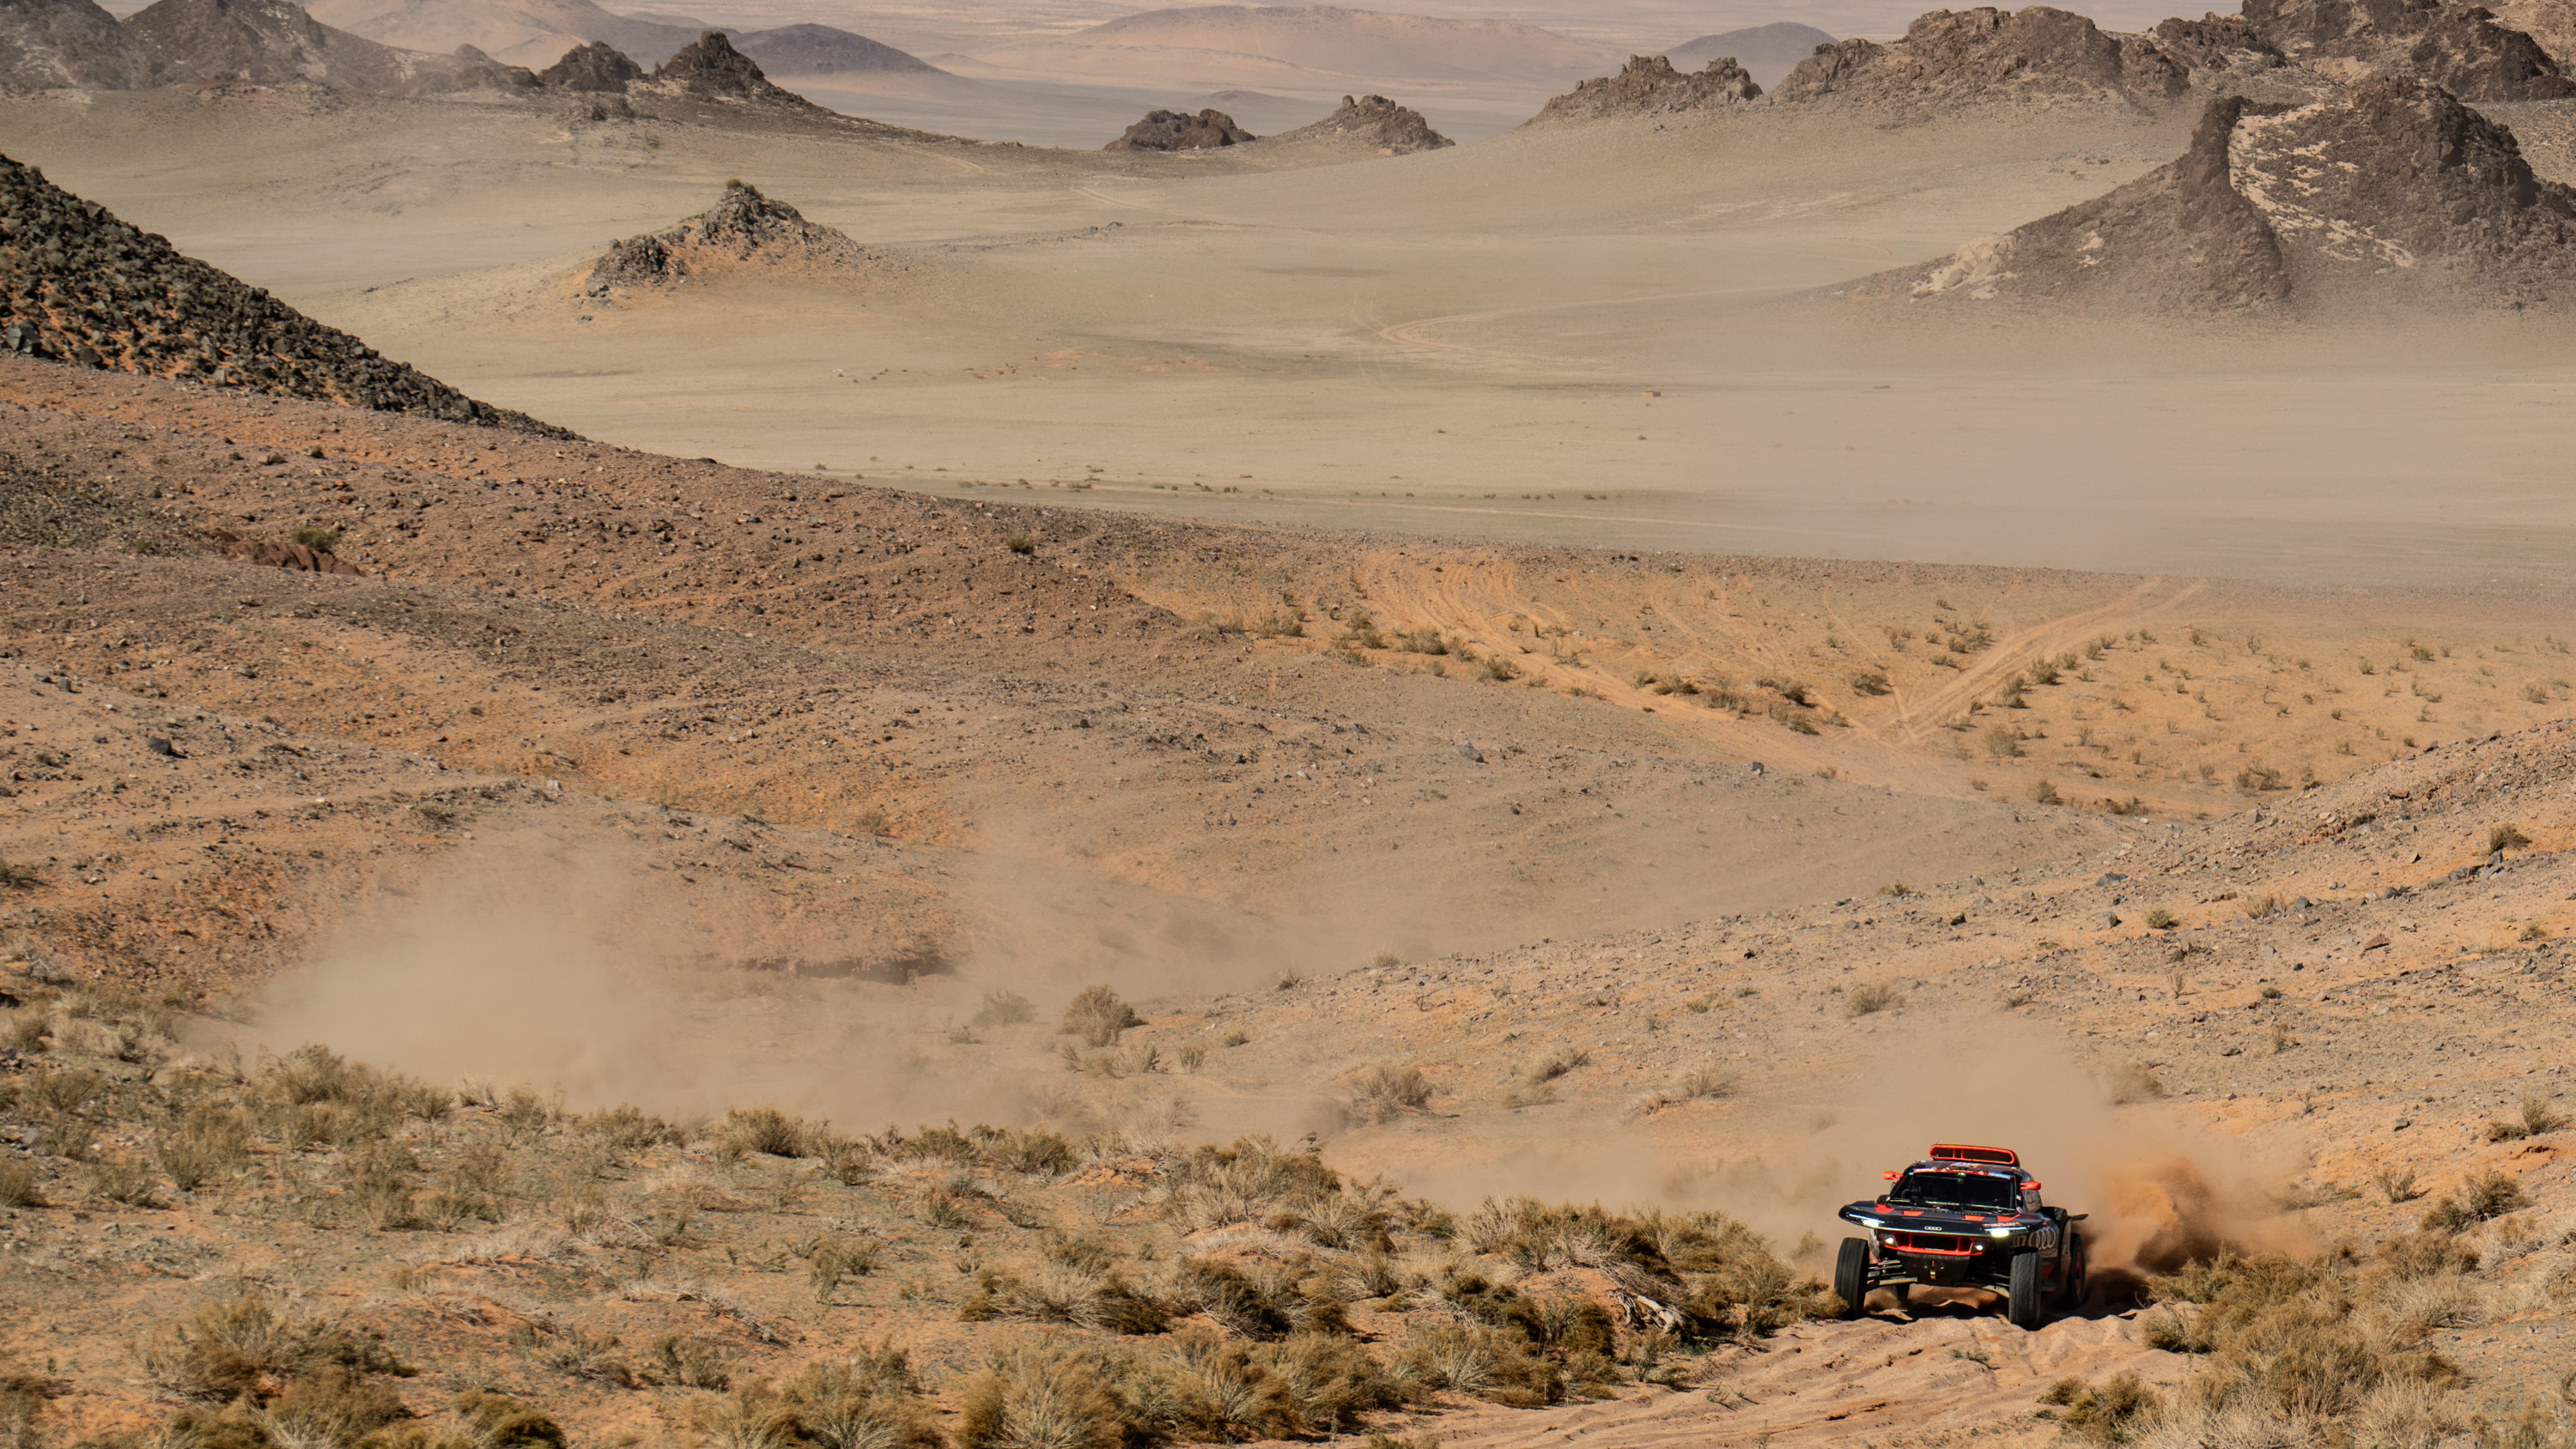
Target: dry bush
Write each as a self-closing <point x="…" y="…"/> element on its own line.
<point x="2502" y="838"/>
<point x="1557" y="1063"/>
<point x="1484" y="1363"/>
<point x="2536" y="1118"/>
<point x="633" y="1129"/>
<point x="20" y="1186"/>
<point x="1044" y="1394"/>
<point x="692" y="1363"/>
<point x="246" y="1346"/>
<point x="2105" y="1415"/>
<point x="1004" y="1008"/>
<point x="1383" y="1091"/>
<point x="498" y="1421"/>
<point x="767" y="1130"/>
<point x="2489" y="1195"/>
<point x="1096" y="1016"/>
<point x="2395" y="1183"/>
<point x="1870" y="998"/>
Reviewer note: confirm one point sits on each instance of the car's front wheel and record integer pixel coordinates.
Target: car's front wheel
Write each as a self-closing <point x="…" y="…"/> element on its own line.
<point x="1851" y="1275"/>
<point x="2072" y="1274"/>
<point x="2022" y="1302"/>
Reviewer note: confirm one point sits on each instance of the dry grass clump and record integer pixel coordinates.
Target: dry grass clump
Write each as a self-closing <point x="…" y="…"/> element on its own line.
<point x="1699" y="1084"/>
<point x="1557" y="1063"/>
<point x="1096" y="1016"/>
<point x="1055" y="1391"/>
<point x="2502" y="838"/>
<point x="1004" y="1008"/>
<point x="869" y="1400"/>
<point x="1870" y="998"/>
<point x="2486" y="1196"/>
<point x="2536" y="1118"/>
<point x="247" y="1347"/>
<point x="1715" y="1272"/>
<point x="1383" y="1091"/>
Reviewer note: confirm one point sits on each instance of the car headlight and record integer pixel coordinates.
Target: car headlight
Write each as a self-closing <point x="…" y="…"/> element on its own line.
<point x="2001" y="1232"/>
<point x="1869" y="1222"/>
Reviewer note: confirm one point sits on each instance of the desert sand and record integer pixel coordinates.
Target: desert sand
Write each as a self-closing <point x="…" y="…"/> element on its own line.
<point x="1270" y="793"/>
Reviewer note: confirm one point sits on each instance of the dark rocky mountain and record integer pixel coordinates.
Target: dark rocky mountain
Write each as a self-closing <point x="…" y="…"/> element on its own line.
<point x="710" y="69"/>
<point x="598" y="68"/>
<point x="744" y="231"/>
<point x="2458" y="47"/>
<point x="1650" y="86"/>
<point x="810" y="50"/>
<point x="80" y="286"/>
<point x="1173" y="131"/>
<point x="1953" y="58"/>
<point x="2396" y="195"/>
<point x="273" y="42"/>
<point x="58" y="44"/>
<point x="1763" y="50"/>
<point x="1373" y="122"/>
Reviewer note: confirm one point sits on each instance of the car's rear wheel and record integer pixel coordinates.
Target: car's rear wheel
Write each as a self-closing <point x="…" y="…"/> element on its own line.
<point x="1851" y="1275"/>
<point x="2073" y="1278"/>
<point x="2022" y="1303"/>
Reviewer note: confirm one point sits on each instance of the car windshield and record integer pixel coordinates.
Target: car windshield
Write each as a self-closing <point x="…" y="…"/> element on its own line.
<point x="1972" y="1190"/>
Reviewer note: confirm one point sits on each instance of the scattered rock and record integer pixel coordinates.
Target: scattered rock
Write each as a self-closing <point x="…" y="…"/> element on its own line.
<point x="1469" y="753"/>
<point x="2109" y="920"/>
<point x="78" y="285"/>
<point x="1650" y="86"/>
<point x="1173" y="131"/>
<point x="1374" y="122"/>
<point x="2397" y="194"/>
<point x="742" y="230"/>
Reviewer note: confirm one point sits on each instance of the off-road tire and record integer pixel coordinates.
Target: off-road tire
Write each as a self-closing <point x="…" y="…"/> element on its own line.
<point x="2074" y="1274"/>
<point x="1851" y="1275"/>
<point x="2022" y="1304"/>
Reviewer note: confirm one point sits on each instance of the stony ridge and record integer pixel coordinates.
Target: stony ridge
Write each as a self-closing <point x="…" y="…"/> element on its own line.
<point x="1650" y="86"/>
<point x="1372" y="121"/>
<point x="57" y="44"/>
<point x="274" y="42"/>
<point x="78" y="285"/>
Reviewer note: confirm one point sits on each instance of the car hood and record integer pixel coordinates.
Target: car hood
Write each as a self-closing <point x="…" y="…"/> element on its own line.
<point x="1934" y="1220"/>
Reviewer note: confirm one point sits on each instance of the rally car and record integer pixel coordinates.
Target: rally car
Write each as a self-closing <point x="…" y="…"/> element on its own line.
<point x="1965" y="1217"/>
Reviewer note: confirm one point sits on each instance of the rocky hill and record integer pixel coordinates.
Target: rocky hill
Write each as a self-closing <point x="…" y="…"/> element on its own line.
<point x="744" y="230"/>
<point x="533" y="33"/>
<point x="2397" y="195"/>
<point x="596" y="67"/>
<point x="51" y="44"/>
<point x="2458" y="47"/>
<point x="1173" y="131"/>
<point x="273" y="42"/>
<point x="710" y="69"/>
<point x="1369" y="122"/>
<point x="78" y="285"/>
<point x="816" y="50"/>
<point x="1763" y="50"/>
<point x="1650" y="86"/>
<point x="1948" y="59"/>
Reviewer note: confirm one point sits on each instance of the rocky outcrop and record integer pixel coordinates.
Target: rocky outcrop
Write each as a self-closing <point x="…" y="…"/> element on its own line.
<point x="1173" y="131"/>
<point x="274" y="42"/>
<point x="1649" y="86"/>
<point x="710" y="69"/>
<point x="1955" y="59"/>
<point x="78" y="285"/>
<point x="2396" y="195"/>
<point x="62" y="44"/>
<point x="597" y="69"/>
<point x="1373" y="123"/>
<point x="2460" y="48"/>
<point x="743" y="232"/>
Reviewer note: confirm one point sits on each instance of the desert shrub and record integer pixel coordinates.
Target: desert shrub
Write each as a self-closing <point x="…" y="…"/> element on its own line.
<point x="2506" y="837"/>
<point x="1359" y="631"/>
<point x="1004" y="1008"/>
<point x="1022" y="543"/>
<point x="20" y="1186"/>
<point x="120" y="1182"/>
<point x="1496" y="667"/>
<point x="578" y="1353"/>
<point x="2106" y="1415"/>
<point x="498" y="1421"/>
<point x="837" y="1259"/>
<point x="1421" y="641"/>
<point x="1037" y="1153"/>
<point x="318" y="539"/>
<point x="692" y="1363"/>
<point x="331" y="1406"/>
<point x="1869" y="998"/>
<point x="2292" y="1338"/>
<point x="1557" y="1063"/>
<point x="1384" y="1091"/>
<point x="1482" y="1362"/>
<point x="767" y="1130"/>
<point x="2002" y="743"/>
<point x="68" y="1090"/>
<point x="244" y="1346"/>
<point x="1869" y="681"/>
<point x="2161" y="919"/>
<point x="1254" y="1304"/>
<point x="2258" y="907"/>
<point x="632" y="1128"/>
<point x="209" y="1142"/>
<point x="2536" y="1118"/>
<point x="1042" y="1395"/>
<point x="2254" y="779"/>
<point x="2397" y="1184"/>
<point x="2489" y="1195"/>
<point x="1096" y="1016"/>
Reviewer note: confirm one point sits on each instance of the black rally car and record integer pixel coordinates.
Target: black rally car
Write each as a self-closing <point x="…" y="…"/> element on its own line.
<point x="1965" y="1217"/>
